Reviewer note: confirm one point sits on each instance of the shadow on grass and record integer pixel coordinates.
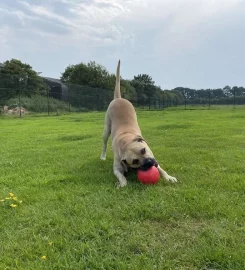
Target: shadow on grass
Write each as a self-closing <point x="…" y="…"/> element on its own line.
<point x="75" y="138"/>
<point x="173" y="126"/>
<point x="97" y="173"/>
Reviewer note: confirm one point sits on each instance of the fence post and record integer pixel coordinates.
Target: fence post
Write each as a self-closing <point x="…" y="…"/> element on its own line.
<point x="69" y="103"/>
<point x="48" y="99"/>
<point x="209" y="99"/>
<point x="19" y="102"/>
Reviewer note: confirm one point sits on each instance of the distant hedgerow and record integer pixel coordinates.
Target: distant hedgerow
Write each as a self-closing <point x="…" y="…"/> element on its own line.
<point x="37" y="103"/>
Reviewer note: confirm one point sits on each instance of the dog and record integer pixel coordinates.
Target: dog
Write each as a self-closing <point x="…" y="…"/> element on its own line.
<point x="130" y="149"/>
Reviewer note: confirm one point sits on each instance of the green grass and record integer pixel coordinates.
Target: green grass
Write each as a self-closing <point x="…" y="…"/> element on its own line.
<point x="69" y="197"/>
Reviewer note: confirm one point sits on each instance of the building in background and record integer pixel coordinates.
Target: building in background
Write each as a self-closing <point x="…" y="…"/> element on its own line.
<point x="57" y="89"/>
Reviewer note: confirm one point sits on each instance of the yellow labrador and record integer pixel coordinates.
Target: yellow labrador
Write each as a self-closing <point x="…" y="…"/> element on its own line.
<point x="129" y="147"/>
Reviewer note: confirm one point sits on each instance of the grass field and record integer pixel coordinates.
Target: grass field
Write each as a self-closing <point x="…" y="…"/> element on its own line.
<point x="73" y="217"/>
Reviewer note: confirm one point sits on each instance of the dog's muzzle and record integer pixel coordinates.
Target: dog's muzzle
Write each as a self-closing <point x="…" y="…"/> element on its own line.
<point x="148" y="163"/>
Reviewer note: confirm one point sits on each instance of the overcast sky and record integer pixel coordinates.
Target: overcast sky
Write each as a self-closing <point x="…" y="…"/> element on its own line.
<point x="191" y="43"/>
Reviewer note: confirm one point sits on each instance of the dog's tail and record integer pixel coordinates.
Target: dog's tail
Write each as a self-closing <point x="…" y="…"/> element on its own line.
<point x="117" y="92"/>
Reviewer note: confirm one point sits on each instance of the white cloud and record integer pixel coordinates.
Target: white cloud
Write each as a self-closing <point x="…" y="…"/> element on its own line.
<point x="107" y="22"/>
<point x="159" y="31"/>
<point x="44" y="12"/>
<point x="4" y="37"/>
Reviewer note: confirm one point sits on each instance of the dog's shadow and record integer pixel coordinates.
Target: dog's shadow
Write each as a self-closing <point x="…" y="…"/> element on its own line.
<point x="97" y="172"/>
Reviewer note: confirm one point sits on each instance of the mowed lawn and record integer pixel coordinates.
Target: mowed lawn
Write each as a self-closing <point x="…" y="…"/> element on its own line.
<point x="73" y="217"/>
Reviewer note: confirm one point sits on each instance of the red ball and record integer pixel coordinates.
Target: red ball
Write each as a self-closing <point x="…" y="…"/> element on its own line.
<point x="149" y="177"/>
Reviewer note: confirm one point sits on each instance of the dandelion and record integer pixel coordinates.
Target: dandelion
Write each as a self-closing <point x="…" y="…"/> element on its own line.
<point x="44" y="258"/>
<point x="11" y="201"/>
<point x="50" y="243"/>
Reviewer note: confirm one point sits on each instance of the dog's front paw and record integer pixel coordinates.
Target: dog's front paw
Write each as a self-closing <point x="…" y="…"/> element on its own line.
<point x="121" y="183"/>
<point x="102" y="157"/>
<point x="172" y="179"/>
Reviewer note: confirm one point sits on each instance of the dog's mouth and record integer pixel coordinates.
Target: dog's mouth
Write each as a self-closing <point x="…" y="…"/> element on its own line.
<point x="148" y="163"/>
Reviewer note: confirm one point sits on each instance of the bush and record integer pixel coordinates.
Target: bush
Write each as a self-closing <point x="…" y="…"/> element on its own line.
<point x="39" y="103"/>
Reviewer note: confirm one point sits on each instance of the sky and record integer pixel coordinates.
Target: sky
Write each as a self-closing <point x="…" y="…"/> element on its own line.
<point x="188" y="43"/>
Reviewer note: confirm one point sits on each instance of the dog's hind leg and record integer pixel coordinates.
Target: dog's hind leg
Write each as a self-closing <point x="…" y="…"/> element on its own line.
<point x="107" y="133"/>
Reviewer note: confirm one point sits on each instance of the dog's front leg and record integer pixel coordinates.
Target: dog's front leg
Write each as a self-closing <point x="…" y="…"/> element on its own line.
<point x="119" y="171"/>
<point x="166" y="176"/>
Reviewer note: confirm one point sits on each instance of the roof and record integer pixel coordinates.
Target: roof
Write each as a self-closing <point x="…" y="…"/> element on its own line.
<point x="52" y="79"/>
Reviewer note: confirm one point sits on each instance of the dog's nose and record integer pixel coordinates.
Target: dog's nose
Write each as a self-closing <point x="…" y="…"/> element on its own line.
<point x="148" y="162"/>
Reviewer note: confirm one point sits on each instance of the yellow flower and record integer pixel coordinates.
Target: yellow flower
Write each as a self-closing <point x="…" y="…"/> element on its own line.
<point x="20" y="201"/>
<point x="44" y="257"/>
<point x="8" y="198"/>
<point x="13" y="205"/>
<point x="15" y="198"/>
<point x="50" y="243"/>
<point x="2" y="200"/>
<point x="11" y="194"/>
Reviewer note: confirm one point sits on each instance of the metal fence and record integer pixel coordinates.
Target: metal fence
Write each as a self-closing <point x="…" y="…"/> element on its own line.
<point x="19" y="97"/>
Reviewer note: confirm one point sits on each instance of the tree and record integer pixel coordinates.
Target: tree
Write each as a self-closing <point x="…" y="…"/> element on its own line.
<point x="65" y="76"/>
<point x="144" y="78"/>
<point x="19" y="78"/>
<point x="127" y="90"/>
<point x="227" y="91"/>
<point x="180" y="99"/>
<point x="239" y="91"/>
<point x="144" y="86"/>
<point x="91" y="74"/>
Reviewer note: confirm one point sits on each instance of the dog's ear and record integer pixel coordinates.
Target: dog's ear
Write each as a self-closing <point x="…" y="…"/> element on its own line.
<point x="124" y="163"/>
<point x="123" y="159"/>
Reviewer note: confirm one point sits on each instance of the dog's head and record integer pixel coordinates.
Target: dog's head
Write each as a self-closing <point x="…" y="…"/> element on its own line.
<point x="137" y="154"/>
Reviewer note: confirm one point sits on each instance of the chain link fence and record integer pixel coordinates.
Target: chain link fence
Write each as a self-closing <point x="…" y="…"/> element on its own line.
<point x="20" y="96"/>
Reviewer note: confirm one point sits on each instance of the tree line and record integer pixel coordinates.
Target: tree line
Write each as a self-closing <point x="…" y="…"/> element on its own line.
<point x="17" y="77"/>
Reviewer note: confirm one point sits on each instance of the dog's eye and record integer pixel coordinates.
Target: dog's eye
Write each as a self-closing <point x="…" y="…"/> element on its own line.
<point x="142" y="151"/>
<point x="135" y="161"/>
